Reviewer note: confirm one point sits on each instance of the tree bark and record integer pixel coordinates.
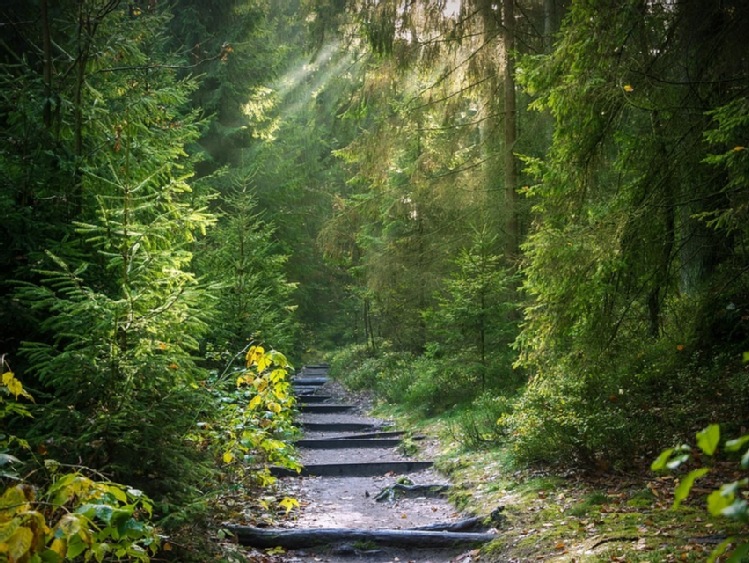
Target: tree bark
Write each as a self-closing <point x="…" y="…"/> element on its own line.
<point x="510" y="130"/>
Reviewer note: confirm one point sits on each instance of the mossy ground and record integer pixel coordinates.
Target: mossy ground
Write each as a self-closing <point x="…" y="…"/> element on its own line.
<point x="567" y="515"/>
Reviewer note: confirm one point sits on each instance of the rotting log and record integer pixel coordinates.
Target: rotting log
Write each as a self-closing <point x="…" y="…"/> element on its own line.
<point x="291" y="538"/>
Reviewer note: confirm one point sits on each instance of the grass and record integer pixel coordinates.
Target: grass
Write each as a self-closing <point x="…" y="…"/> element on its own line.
<point x="565" y="516"/>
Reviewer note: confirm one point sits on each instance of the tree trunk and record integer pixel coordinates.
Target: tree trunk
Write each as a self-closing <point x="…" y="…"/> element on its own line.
<point x="512" y="225"/>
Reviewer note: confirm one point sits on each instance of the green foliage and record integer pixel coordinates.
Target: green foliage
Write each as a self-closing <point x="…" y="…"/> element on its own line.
<point x="72" y="516"/>
<point x="259" y="431"/>
<point x="254" y="298"/>
<point x="119" y="311"/>
<point x="726" y="501"/>
<point x="474" y="318"/>
<point x="477" y="425"/>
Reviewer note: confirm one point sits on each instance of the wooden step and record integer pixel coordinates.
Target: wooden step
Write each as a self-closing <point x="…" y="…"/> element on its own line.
<point x="316" y="399"/>
<point x="309" y="381"/>
<point x="340" y="426"/>
<point x="336" y="444"/>
<point x="324" y="408"/>
<point x="372" y="469"/>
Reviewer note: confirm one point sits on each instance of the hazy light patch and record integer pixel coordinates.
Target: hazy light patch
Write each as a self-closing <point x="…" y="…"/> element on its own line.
<point x="295" y="76"/>
<point x="452" y="8"/>
<point x="301" y="85"/>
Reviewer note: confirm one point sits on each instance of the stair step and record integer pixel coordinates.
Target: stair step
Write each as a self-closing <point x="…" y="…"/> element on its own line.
<point x="337" y="444"/>
<point x="324" y="408"/>
<point x="353" y="469"/>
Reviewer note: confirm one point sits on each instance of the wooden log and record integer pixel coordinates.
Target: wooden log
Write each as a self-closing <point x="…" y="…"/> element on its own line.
<point x="400" y="490"/>
<point x="324" y="408"/>
<point x="291" y="538"/>
<point x="309" y="381"/>
<point x="339" y="426"/>
<point x="334" y="444"/>
<point x="311" y="398"/>
<point x="374" y="435"/>
<point x="466" y="525"/>
<point x="353" y="469"/>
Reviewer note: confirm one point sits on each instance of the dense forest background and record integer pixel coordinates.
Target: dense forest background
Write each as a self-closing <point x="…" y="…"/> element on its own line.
<point x="531" y="213"/>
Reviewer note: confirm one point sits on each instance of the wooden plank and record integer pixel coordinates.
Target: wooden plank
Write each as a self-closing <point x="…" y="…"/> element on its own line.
<point x="353" y="469"/>
<point x="309" y="381"/>
<point x="291" y="538"/>
<point x="316" y="399"/>
<point x="336" y="444"/>
<point x="339" y="426"/>
<point x="324" y="408"/>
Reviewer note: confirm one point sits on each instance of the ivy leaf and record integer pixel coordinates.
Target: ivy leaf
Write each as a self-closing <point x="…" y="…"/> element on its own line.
<point x="708" y="439"/>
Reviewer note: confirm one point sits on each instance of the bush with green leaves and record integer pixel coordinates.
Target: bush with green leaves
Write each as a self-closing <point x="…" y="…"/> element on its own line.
<point x="727" y="501"/>
<point x="118" y="309"/>
<point x="59" y="513"/>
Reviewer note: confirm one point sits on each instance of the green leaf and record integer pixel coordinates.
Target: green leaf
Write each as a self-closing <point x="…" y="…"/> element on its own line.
<point x="76" y="546"/>
<point x="685" y="485"/>
<point x="737" y="443"/>
<point x="737" y="510"/>
<point x="675" y="462"/>
<point x="745" y="357"/>
<point x="660" y="462"/>
<point x="720" y="549"/>
<point x="719" y="500"/>
<point x="739" y="553"/>
<point x="708" y="439"/>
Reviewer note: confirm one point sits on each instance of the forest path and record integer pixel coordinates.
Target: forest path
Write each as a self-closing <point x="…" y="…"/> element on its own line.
<point x="350" y="458"/>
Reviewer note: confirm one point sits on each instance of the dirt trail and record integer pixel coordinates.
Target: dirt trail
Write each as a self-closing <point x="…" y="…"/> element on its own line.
<point x="349" y="501"/>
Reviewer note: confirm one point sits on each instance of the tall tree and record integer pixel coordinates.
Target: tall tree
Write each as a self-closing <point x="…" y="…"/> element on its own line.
<point x="621" y="263"/>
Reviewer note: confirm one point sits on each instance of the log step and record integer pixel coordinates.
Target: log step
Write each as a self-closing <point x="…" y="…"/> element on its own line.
<point x="363" y="435"/>
<point x="324" y="408"/>
<point x="340" y="426"/>
<point x="353" y="469"/>
<point x="290" y="538"/>
<point x="309" y="381"/>
<point x="310" y="399"/>
<point x="338" y="444"/>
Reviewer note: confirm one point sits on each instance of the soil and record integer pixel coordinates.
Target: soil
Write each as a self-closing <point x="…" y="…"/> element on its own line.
<point x="349" y="502"/>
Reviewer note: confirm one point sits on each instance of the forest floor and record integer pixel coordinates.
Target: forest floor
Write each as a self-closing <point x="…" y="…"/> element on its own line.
<point x="555" y="516"/>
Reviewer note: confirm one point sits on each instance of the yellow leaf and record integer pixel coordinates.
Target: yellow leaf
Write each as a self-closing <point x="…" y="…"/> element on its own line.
<point x="59" y="546"/>
<point x="274" y="407"/>
<point x="228" y="457"/>
<point x="20" y="543"/>
<point x="13" y="385"/>
<point x="255" y="402"/>
<point x="628" y="88"/>
<point x="288" y="503"/>
<point x="738" y="148"/>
